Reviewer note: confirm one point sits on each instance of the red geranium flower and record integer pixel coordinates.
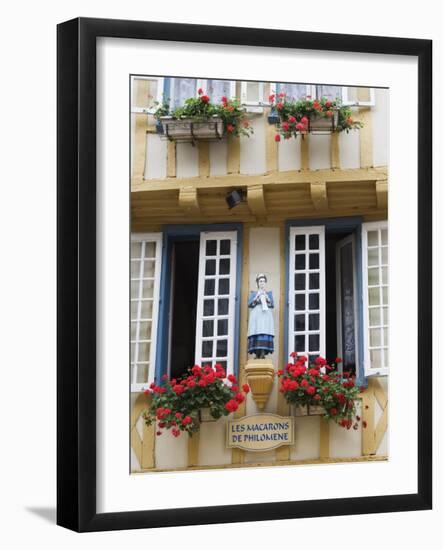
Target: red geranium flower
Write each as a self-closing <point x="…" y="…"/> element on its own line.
<point x="205" y="98"/>
<point x="231" y="405"/>
<point x="277" y="137"/>
<point x="246" y="388"/>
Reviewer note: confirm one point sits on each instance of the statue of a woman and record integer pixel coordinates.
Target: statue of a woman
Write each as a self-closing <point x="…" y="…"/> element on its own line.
<point x="261" y="320"/>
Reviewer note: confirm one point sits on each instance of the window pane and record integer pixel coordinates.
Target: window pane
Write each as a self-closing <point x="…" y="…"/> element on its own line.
<point x="148" y="289"/>
<point x="225" y="266"/>
<point x="208" y="308"/>
<point x="299" y="322"/>
<point x="385" y="295"/>
<point x="209" y="287"/>
<point x="217" y="89"/>
<point x="293" y="91"/>
<point x="386" y="356"/>
<point x="135" y="269"/>
<point x="134" y="310"/>
<point x="314" y="281"/>
<point x="313" y="242"/>
<point x="252" y="92"/>
<point x="299" y="281"/>
<point x="373" y="276"/>
<point x="385" y="337"/>
<point x="207" y="348"/>
<point x="374" y="296"/>
<point x="384" y="255"/>
<point x="330" y="92"/>
<point x="314" y="342"/>
<point x="375" y="337"/>
<point x="148" y="268"/>
<point x="143" y="352"/>
<point x="222" y="348"/>
<point x="375" y="355"/>
<point x="314" y="301"/>
<point x="133" y="330"/>
<point x="210" y="267"/>
<point x="384" y="236"/>
<point x="300" y="262"/>
<point x="211" y="248"/>
<point x="372" y="256"/>
<point x="384" y="275"/>
<point x="299" y="342"/>
<point x="208" y="328"/>
<point x="136" y="250"/>
<point x="385" y="316"/>
<point x="183" y="88"/>
<point x="223" y="286"/>
<point x="135" y="285"/>
<point x="373" y="238"/>
<point x="314" y="321"/>
<point x="222" y="327"/>
<point x="374" y="317"/>
<point x="146" y="309"/>
<point x="299" y="302"/>
<point x="150" y="250"/>
<point x="144" y="332"/>
<point x="225" y="247"/>
<point x="223" y="306"/>
<point x="142" y="373"/>
<point x="314" y="261"/>
<point x="300" y="241"/>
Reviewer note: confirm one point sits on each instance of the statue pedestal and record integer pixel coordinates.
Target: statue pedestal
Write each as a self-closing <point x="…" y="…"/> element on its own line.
<point x="260" y="377"/>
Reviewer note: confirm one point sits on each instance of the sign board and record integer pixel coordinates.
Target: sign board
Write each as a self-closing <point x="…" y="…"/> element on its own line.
<point x="260" y="432"/>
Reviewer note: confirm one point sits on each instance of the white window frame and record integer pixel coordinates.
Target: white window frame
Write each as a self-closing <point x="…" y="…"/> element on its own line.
<point x="370" y="226"/>
<point x="230" y="337"/>
<point x="307" y="230"/>
<point x="340" y="244"/>
<point x="158" y="239"/>
<point x="253" y="106"/>
<point x="159" y="98"/>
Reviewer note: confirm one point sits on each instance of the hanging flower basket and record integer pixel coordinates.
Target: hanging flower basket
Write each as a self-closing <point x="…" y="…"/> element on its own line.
<point x="187" y="129"/>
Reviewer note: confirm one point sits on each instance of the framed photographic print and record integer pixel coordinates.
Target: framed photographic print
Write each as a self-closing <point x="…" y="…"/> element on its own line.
<point x="244" y="274"/>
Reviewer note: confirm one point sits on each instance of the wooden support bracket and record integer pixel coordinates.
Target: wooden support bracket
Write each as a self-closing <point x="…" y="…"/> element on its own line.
<point x="188" y="199"/>
<point x="256" y="200"/>
<point x="381" y="189"/>
<point x="319" y="195"/>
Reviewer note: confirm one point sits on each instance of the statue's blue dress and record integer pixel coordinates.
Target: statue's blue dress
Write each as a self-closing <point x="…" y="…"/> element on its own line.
<point x="261" y="325"/>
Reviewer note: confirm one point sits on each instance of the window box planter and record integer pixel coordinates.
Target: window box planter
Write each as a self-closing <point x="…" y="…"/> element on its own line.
<point x="319" y="124"/>
<point x="204" y="415"/>
<point x="307" y="410"/>
<point x="192" y="130"/>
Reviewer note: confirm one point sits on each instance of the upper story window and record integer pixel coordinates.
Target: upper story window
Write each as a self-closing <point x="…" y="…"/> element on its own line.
<point x="347" y="95"/>
<point x="180" y="89"/>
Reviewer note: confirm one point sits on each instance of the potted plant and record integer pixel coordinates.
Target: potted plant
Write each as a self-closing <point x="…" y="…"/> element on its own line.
<point x="199" y="119"/>
<point x="302" y="116"/>
<point x="204" y="394"/>
<point x="319" y="389"/>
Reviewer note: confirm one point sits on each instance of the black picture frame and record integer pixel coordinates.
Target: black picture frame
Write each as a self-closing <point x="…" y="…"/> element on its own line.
<point x="76" y="279"/>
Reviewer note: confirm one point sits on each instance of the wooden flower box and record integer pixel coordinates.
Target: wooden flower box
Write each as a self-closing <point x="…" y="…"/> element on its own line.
<point x="323" y="125"/>
<point x="190" y="130"/>
<point x="205" y="415"/>
<point x="307" y="410"/>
